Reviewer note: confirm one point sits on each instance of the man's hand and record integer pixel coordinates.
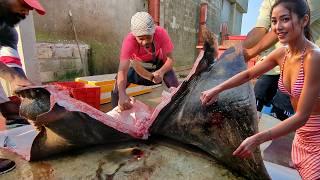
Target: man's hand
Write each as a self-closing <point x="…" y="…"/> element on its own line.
<point x="157" y="76"/>
<point x="137" y="66"/>
<point x="125" y="103"/>
<point x="245" y="53"/>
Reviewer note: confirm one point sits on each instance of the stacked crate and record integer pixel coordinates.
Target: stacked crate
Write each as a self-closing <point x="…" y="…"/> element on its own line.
<point x="81" y="91"/>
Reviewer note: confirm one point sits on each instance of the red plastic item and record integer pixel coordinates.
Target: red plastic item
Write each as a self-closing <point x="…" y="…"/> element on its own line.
<point x="15" y="99"/>
<point x="237" y="38"/>
<point x="81" y="91"/>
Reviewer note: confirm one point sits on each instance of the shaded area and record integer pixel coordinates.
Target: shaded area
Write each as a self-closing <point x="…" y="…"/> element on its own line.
<point x="279" y="151"/>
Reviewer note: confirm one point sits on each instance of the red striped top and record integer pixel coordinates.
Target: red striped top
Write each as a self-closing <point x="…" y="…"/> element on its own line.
<point x="298" y="85"/>
<point x="306" y="146"/>
<point x="311" y="130"/>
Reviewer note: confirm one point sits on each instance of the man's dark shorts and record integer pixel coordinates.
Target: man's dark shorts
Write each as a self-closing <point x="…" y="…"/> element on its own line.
<point x="266" y="87"/>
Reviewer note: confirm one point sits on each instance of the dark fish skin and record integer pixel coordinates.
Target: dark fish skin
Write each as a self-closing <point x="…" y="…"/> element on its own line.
<point x="36" y="101"/>
<point x="217" y="129"/>
<point x="61" y="130"/>
<point x="221" y="127"/>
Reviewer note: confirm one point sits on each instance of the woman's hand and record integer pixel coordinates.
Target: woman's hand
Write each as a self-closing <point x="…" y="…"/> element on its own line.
<point x="210" y="96"/>
<point x="247" y="147"/>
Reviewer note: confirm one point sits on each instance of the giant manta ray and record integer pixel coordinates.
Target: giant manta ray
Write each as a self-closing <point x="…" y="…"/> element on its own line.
<point x="62" y="123"/>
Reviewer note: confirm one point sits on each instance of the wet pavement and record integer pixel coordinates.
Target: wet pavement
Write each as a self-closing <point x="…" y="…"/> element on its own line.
<point x="135" y="160"/>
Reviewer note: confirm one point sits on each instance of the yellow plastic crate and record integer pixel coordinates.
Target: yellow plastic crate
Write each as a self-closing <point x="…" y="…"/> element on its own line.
<point x="106" y="83"/>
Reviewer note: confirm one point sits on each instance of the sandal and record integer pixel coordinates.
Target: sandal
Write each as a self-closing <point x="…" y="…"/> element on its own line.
<point x="6" y="165"/>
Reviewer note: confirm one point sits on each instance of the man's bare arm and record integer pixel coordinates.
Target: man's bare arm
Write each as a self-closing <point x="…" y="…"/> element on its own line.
<point x="7" y="73"/>
<point x="258" y="41"/>
<point x="254" y="36"/>
<point x="16" y="80"/>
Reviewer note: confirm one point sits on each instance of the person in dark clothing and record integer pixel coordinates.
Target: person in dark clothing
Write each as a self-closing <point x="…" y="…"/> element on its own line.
<point x="11" y="13"/>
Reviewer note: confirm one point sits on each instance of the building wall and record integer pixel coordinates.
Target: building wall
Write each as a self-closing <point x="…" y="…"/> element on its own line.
<point x="61" y="61"/>
<point x="214" y="15"/>
<point x="242" y="5"/>
<point x="237" y="23"/>
<point x="225" y="12"/>
<point x="232" y="12"/>
<point x="183" y="26"/>
<point x="103" y="25"/>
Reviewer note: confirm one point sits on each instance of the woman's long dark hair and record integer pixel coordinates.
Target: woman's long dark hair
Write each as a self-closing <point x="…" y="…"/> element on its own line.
<point x="299" y="7"/>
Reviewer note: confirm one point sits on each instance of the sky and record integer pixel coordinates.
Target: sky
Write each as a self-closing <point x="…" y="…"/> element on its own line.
<point x="249" y="19"/>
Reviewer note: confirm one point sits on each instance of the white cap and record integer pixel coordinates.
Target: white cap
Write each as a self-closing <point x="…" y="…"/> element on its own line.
<point x="142" y="24"/>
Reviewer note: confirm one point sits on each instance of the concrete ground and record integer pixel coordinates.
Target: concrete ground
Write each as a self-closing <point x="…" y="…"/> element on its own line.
<point x="159" y="159"/>
<point x="154" y="159"/>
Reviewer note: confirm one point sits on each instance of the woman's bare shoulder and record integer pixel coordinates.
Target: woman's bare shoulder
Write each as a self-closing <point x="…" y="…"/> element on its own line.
<point x="313" y="53"/>
<point x="278" y="54"/>
<point x="313" y="57"/>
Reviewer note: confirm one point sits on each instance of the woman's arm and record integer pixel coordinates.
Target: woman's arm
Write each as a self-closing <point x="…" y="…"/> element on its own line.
<point x="209" y="96"/>
<point x="308" y="98"/>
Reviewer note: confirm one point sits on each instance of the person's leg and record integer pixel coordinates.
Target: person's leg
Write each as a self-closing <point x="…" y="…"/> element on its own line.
<point x="265" y="89"/>
<point x="279" y="113"/>
<point x="282" y="106"/>
<point x="6" y="165"/>
<point x="5" y="104"/>
<point x="3" y="100"/>
<point x="114" y="95"/>
<point x="3" y="95"/>
<point x="170" y="79"/>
